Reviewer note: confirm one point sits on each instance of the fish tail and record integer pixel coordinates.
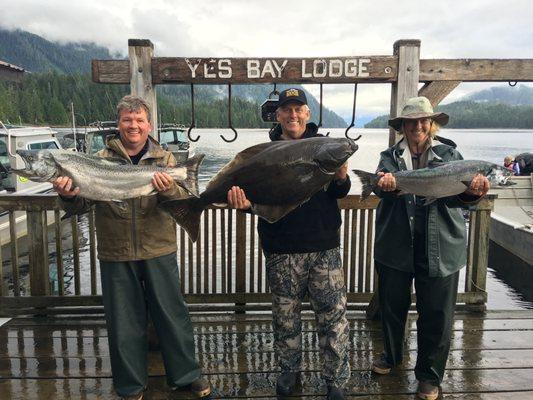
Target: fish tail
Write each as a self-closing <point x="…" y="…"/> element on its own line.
<point x="368" y="180"/>
<point x="186" y="212"/>
<point x="191" y="182"/>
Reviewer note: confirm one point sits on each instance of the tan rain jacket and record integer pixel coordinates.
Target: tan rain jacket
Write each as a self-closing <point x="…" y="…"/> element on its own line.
<point x="134" y="229"/>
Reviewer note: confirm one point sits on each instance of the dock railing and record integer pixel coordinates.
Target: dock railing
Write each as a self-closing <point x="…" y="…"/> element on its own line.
<point x="54" y="268"/>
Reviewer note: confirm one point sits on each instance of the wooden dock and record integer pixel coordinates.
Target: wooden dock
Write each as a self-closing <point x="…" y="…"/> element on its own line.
<point x="68" y="358"/>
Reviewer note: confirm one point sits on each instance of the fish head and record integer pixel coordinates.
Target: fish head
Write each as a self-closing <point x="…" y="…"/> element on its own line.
<point x="39" y="165"/>
<point x="498" y="175"/>
<point x="333" y="153"/>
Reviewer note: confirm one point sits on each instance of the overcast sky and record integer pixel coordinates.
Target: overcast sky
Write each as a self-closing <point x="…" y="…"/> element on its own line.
<point x="286" y="28"/>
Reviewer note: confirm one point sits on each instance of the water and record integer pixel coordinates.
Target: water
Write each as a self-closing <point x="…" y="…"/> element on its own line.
<point x="486" y="144"/>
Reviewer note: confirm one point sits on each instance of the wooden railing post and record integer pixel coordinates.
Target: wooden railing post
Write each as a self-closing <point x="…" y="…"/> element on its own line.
<point x="408" y="53"/>
<point x="140" y="53"/>
<point x="479" y="254"/>
<point x="240" y="259"/>
<point x="38" y="252"/>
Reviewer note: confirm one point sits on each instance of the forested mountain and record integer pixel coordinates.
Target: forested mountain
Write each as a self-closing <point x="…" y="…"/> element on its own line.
<point x="61" y="75"/>
<point x="35" y="54"/>
<point x="492" y="108"/>
<point x="519" y="95"/>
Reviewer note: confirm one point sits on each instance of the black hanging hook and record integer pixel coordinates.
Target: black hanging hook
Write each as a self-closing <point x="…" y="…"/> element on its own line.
<point x="320" y="110"/>
<point x="273" y="92"/>
<point x="352" y="124"/>
<point x="193" y="119"/>
<point x="512" y="84"/>
<point x="230" y="125"/>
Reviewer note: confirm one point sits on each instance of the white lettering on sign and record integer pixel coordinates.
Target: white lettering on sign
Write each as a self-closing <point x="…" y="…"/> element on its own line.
<point x="255" y="70"/>
<point x="252" y="68"/>
<point x="224" y="66"/>
<point x="363" y="67"/>
<point x="270" y="68"/>
<point x="208" y="68"/>
<point x="335" y="68"/>
<point x="192" y="67"/>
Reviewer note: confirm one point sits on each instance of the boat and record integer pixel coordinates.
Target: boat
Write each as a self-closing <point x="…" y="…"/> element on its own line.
<point x="172" y="137"/>
<point x="13" y="138"/>
<point x="511" y="232"/>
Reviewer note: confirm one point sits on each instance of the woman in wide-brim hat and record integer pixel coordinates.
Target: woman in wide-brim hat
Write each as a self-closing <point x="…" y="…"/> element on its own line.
<point x="424" y="243"/>
<point x="416" y="108"/>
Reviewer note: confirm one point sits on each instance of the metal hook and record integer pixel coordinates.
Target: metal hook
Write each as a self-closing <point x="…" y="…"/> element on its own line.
<point x="192" y="118"/>
<point x="352" y="124"/>
<point x="273" y="92"/>
<point x="230" y="125"/>
<point x="512" y="84"/>
<point x="320" y="111"/>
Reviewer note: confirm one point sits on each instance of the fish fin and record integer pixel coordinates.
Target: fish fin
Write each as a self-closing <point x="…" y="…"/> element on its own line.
<point x="368" y="180"/>
<point x="273" y="213"/>
<point x="238" y="160"/>
<point x="191" y="182"/>
<point x="428" y="200"/>
<point x="466" y="183"/>
<point x="186" y="212"/>
<point x="220" y="204"/>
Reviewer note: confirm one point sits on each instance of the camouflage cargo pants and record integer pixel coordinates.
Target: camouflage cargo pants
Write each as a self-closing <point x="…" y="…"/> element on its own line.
<point x="320" y="275"/>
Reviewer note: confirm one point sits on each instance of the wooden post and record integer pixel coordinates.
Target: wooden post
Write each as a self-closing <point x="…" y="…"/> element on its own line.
<point x="38" y="253"/>
<point x="240" y="259"/>
<point x="408" y="53"/>
<point x="141" y="52"/>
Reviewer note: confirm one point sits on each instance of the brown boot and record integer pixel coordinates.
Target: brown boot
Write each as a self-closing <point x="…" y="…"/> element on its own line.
<point x="200" y="387"/>
<point x="381" y="366"/>
<point x="427" y="391"/>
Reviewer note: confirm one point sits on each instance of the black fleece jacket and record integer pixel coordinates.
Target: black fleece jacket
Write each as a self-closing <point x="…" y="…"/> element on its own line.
<point x="311" y="227"/>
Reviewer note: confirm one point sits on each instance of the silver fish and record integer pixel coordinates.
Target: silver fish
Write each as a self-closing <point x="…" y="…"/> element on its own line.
<point x="277" y="177"/>
<point x="104" y="179"/>
<point x="446" y="179"/>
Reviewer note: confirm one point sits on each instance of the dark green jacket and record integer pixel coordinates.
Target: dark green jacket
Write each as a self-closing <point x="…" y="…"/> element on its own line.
<point x="395" y="217"/>
<point x="133" y="229"/>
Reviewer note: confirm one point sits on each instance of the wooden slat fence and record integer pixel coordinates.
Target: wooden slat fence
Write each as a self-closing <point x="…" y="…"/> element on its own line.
<point x="224" y="269"/>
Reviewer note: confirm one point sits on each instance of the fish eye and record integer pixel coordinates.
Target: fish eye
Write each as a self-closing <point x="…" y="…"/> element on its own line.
<point x="30" y="158"/>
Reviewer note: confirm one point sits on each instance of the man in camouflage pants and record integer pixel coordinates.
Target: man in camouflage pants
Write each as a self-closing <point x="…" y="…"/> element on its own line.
<point x="303" y="257"/>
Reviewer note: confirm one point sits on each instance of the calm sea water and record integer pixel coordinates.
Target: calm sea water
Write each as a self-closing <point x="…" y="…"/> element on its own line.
<point x="489" y="145"/>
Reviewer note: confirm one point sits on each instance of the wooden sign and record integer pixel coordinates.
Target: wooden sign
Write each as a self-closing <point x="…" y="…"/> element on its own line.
<point x="256" y="70"/>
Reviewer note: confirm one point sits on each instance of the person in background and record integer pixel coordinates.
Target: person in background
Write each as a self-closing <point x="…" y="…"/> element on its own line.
<point x="424" y="243"/>
<point x="139" y="271"/>
<point x="511" y="165"/>
<point x="303" y="258"/>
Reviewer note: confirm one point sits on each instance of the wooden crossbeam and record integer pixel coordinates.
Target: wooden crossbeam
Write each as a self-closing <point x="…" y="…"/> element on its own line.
<point x="365" y="69"/>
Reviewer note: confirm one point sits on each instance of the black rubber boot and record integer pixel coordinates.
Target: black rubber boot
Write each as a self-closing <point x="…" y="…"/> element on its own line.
<point x="287" y="381"/>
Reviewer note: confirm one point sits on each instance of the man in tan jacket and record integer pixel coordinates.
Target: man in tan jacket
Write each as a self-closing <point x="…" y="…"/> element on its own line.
<point x="139" y="271"/>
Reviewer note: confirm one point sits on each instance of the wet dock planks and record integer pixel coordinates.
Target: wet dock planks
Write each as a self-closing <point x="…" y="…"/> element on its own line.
<point x="68" y="358"/>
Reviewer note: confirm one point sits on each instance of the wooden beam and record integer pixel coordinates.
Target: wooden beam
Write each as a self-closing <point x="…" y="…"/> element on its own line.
<point x="476" y="70"/>
<point x="141" y="52"/>
<point x="437" y="91"/>
<point x="275" y="70"/>
<point x="406" y="86"/>
<point x="111" y="71"/>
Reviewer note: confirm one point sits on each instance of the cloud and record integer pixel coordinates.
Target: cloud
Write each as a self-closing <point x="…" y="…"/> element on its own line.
<point x="282" y="28"/>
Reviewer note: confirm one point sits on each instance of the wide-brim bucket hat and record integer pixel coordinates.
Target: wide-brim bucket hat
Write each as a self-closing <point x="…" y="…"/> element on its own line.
<point x="415" y="108"/>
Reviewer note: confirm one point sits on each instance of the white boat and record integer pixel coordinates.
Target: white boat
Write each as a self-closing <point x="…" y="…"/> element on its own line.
<point x="13" y="139"/>
<point x="172" y="137"/>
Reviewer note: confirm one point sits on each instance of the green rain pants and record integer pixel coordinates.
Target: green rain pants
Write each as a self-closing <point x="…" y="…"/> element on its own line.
<point x="435" y="304"/>
<point x="130" y="289"/>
